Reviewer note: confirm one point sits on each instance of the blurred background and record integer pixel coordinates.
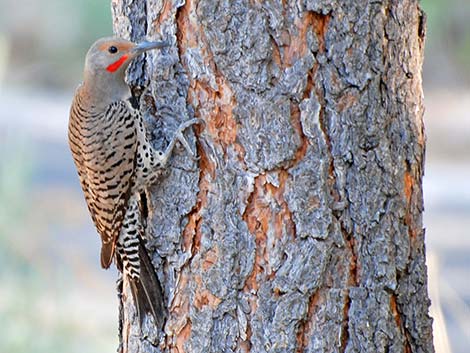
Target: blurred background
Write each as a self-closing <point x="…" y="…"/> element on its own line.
<point x="57" y="302"/>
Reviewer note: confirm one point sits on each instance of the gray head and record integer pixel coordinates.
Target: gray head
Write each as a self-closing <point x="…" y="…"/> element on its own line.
<point x="105" y="67"/>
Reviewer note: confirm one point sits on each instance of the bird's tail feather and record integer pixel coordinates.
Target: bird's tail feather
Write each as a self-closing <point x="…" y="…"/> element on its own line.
<point x="147" y="291"/>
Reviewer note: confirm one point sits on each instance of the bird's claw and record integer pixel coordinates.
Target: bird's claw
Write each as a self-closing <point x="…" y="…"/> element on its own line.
<point x="189" y="123"/>
<point x="180" y="137"/>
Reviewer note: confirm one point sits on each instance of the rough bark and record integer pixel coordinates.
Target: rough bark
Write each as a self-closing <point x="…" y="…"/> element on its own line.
<point x="300" y="227"/>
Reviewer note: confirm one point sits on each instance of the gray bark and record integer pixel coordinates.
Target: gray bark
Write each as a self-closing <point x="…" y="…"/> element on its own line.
<point x="300" y="227"/>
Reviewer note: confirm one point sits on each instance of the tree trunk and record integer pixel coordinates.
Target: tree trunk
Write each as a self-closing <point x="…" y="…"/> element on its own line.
<point x="300" y="227"/>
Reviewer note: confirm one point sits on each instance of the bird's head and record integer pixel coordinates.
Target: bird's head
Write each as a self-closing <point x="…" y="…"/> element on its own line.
<point x="106" y="63"/>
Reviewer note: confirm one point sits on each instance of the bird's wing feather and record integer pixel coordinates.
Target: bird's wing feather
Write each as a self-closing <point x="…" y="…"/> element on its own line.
<point x="106" y="164"/>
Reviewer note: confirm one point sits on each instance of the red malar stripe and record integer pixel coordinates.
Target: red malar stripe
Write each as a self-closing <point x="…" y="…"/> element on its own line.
<point x="117" y="64"/>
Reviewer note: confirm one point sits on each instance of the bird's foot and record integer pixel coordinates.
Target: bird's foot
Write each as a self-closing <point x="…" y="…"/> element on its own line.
<point x="180" y="137"/>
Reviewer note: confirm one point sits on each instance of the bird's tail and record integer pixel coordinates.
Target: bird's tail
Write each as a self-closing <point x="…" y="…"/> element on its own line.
<point x="147" y="291"/>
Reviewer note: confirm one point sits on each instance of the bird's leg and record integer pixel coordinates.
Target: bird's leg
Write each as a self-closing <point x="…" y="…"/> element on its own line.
<point x="150" y="161"/>
<point x="164" y="156"/>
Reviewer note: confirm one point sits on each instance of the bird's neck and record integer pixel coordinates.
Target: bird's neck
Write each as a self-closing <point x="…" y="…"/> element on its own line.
<point x="101" y="93"/>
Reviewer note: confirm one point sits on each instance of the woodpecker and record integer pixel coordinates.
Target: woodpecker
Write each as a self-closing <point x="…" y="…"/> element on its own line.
<point x="116" y="162"/>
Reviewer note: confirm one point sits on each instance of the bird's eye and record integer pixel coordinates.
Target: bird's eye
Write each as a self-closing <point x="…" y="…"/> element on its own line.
<point x="112" y="49"/>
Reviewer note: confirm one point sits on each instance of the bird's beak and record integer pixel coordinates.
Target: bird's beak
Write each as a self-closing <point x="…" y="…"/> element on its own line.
<point x="144" y="46"/>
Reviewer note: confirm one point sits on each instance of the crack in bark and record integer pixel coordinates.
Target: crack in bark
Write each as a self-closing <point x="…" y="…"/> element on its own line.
<point x="276" y="54"/>
<point x="192" y="231"/>
<point x="353" y="278"/>
<point x="298" y="44"/>
<point x="165" y="13"/>
<point x="344" y="335"/>
<point x="408" y="182"/>
<point x="181" y="21"/>
<point x="191" y="237"/>
<point x="297" y="124"/>
<point x="191" y="241"/>
<point x="216" y="105"/>
<point x="319" y="23"/>
<point x="305" y="325"/>
<point x="296" y="121"/>
<point x="394" y="309"/>
<point x="261" y="215"/>
<point x="245" y="345"/>
<point x="421" y="26"/>
<point x="256" y="218"/>
<point x="182" y="337"/>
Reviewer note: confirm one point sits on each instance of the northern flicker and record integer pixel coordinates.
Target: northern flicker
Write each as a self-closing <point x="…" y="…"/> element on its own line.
<point x="115" y="162"/>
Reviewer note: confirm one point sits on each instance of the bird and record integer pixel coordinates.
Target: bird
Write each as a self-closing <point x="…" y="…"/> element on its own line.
<point x="116" y="162"/>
